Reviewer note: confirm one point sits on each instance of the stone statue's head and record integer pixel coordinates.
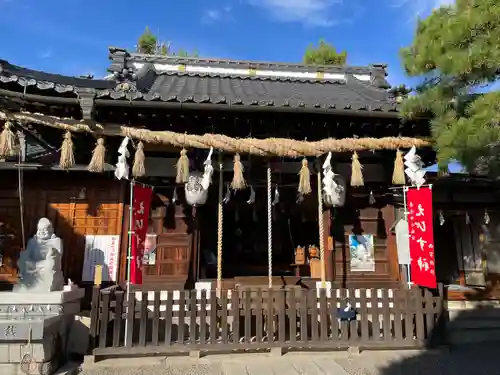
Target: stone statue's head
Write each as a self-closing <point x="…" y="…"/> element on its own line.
<point x="44" y="229"/>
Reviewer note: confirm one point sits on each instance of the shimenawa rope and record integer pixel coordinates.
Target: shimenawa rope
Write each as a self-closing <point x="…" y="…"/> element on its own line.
<point x="263" y="147"/>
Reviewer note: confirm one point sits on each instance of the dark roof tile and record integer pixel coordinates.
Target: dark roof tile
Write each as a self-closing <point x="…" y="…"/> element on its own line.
<point x="353" y="94"/>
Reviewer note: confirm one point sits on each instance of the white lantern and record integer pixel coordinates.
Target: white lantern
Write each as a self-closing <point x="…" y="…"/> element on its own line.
<point x="195" y="194"/>
<point x="336" y="195"/>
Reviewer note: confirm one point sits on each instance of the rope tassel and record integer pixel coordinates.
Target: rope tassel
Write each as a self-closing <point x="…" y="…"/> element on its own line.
<point x="139" y="168"/>
<point x="238" y="182"/>
<point x="8" y="141"/>
<point x="182" y="168"/>
<point x="398" y="176"/>
<point x="96" y="164"/>
<point x="356" y="171"/>
<point x="304" y="178"/>
<point x="67" y="159"/>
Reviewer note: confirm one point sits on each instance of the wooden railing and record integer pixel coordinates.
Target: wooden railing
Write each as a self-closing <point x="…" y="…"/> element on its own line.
<point x="148" y="322"/>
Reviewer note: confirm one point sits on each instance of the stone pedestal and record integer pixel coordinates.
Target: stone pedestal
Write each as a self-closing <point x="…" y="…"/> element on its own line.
<point x="34" y="329"/>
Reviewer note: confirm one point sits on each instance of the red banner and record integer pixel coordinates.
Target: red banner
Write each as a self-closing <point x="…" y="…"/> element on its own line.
<point x="420" y="226"/>
<point x="140" y="218"/>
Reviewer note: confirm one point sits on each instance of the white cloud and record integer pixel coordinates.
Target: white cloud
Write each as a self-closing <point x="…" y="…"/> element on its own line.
<point x="310" y="12"/>
<point x="46" y="54"/>
<point x="214" y="15"/>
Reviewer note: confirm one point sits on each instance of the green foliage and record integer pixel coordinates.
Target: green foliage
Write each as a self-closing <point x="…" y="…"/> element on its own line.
<point x="324" y="54"/>
<point x="182" y="53"/>
<point x="149" y="43"/>
<point x="400" y="91"/>
<point x="456" y="50"/>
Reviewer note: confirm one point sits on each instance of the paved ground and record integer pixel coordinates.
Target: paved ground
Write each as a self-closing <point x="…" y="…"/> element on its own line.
<point x="476" y="360"/>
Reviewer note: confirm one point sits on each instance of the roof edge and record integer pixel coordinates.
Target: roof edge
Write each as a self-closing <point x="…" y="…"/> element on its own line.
<point x="121" y="56"/>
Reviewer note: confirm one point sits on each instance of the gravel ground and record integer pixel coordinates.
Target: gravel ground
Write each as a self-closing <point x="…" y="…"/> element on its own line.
<point x="474" y="360"/>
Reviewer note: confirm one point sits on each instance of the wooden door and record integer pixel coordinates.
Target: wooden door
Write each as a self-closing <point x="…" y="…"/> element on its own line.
<point x="375" y="221"/>
<point x="174" y="251"/>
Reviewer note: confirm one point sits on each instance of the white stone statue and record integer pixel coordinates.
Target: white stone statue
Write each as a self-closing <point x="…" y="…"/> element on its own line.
<point x="40" y="263"/>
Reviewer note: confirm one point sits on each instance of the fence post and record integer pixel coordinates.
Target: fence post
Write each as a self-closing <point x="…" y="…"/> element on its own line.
<point x="94" y="315"/>
<point x="443" y="314"/>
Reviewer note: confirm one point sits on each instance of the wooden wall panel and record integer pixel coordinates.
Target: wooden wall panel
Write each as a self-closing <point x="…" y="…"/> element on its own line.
<point x="77" y="204"/>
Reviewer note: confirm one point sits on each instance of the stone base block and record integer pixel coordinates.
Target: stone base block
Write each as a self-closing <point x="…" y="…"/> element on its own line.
<point x="47" y="368"/>
<point x="41" y="358"/>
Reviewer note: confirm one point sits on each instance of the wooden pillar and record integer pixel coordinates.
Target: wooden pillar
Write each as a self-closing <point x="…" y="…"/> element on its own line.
<point x="193" y="275"/>
<point x="125" y="202"/>
<point x="328" y="243"/>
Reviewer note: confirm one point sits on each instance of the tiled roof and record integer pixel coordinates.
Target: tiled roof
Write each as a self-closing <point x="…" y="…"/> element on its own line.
<point x="248" y="83"/>
<point x="350" y="93"/>
<point x="171" y="79"/>
<point x="48" y="81"/>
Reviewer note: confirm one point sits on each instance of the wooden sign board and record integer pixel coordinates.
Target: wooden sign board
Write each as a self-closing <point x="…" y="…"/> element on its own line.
<point x="98" y="275"/>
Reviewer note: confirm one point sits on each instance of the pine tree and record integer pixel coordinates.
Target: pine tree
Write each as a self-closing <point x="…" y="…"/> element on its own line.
<point x="324" y="54"/>
<point x="400" y="92"/>
<point x="147" y="42"/>
<point x="456" y="52"/>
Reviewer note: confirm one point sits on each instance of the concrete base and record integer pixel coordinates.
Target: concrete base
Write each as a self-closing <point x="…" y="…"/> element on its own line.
<point x="15" y="369"/>
<point x="49" y="298"/>
<point x="34" y="329"/>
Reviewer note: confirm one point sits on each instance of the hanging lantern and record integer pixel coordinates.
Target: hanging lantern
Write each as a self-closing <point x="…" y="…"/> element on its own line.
<point x="337" y="196"/>
<point x="195" y="194"/>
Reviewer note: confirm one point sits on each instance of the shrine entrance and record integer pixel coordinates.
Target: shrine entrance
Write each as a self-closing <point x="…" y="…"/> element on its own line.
<point x="245" y="232"/>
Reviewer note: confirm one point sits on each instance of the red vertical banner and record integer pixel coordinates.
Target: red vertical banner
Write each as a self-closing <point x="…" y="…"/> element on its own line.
<point x="140" y="217"/>
<point x="420" y="227"/>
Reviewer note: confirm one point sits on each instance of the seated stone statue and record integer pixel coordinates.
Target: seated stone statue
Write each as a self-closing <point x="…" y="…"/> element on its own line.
<point x="40" y="263"/>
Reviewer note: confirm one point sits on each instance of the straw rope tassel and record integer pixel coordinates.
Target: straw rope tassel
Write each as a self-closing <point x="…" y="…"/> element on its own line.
<point x="238" y="182"/>
<point x="8" y="142"/>
<point x="269" y="227"/>
<point x="139" y="169"/>
<point x="305" y="178"/>
<point x="321" y="233"/>
<point x="182" y="168"/>
<point x="398" y="176"/>
<point x="96" y="164"/>
<point x="67" y="159"/>
<point x="356" y="171"/>
<point x="220" y="224"/>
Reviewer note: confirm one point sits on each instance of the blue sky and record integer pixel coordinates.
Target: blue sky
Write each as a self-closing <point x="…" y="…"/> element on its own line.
<point x="72" y="36"/>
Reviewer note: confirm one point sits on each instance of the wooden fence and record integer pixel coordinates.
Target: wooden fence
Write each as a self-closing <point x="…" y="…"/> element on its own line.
<point x="154" y="322"/>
